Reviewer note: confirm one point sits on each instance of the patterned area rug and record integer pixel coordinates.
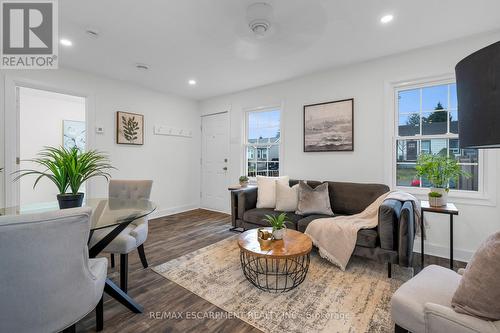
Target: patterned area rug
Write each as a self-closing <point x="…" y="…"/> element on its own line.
<point x="329" y="300"/>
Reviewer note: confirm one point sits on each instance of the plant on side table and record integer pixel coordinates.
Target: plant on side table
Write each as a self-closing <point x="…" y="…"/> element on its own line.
<point x="278" y="224"/>
<point x="439" y="170"/>
<point x="68" y="169"/>
<point x="243" y="181"/>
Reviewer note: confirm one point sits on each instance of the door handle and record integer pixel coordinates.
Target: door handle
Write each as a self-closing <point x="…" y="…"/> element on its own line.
<point x="224" y="168"/>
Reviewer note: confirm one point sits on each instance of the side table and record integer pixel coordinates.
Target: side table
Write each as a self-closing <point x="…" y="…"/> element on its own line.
<point x="451" y="210"/>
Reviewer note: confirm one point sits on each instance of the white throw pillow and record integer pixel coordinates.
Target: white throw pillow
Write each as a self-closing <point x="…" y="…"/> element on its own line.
<point x="266" y="190"/>
<point x="287" y="198"/>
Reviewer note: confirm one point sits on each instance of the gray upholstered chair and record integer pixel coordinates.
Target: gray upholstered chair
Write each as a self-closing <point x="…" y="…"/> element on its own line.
<point x="423" y="305"/>
<point x="135" y="234"/>
<point x="47" y="281"/>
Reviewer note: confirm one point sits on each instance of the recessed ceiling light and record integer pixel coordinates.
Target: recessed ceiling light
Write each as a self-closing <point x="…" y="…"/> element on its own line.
<point x="192" y="82"/>
<point x="386" y="18"/>
<point x="66" y="42"/>
<point x="142" y="67"/>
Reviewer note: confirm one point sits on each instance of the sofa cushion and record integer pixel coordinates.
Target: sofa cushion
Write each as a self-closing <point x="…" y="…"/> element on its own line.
<point x="353" y="198"/>
<point x="365" y="237"/>
<point x="434" y="284"/>
<point x="257" y="215"/>
<point x="313" y="200"/>
<point x="479" y="291"/>
<point x="266" y="190"/>
<point x="287" y="198"/>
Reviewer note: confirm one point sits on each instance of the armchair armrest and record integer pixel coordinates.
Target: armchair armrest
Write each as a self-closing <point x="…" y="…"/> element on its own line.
<point x="396" y="229"/>
<point x="439" y="318"/>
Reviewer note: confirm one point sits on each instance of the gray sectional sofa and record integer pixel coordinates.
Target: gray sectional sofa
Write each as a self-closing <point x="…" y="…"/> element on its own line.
<point x="390" y="242"/>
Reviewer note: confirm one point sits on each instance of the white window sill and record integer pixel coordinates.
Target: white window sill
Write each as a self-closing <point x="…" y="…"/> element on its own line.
<point x="460" y="197"/>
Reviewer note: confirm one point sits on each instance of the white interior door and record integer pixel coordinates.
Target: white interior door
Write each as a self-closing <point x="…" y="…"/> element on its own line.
<point x="214" y="162"/>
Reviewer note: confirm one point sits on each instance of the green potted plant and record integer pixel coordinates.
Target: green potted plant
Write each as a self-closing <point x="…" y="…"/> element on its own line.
<point x="278" y="224"/>
<point x="243" y="181"/>
<point x="68" y="169"/>
<point x="439" y="170"/>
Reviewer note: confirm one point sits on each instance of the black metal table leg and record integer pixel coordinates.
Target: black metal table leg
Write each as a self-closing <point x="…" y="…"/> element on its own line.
<point x="451" y="241"/>
<point x="114" y="291"/>
<point x="422" y="239"/>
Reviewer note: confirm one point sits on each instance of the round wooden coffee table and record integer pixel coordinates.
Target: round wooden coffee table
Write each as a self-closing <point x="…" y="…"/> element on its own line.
<point x="279" y="267"/>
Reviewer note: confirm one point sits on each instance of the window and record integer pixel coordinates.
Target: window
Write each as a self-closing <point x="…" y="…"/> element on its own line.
<point x="427" y="122"/>
<point x="262" y="142"/>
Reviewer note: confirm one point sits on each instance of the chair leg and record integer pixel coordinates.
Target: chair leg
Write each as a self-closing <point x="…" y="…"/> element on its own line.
<point x="123" y="271"/>
<point x="112" y="260"/>
<point x="71" y="329"/>
<point x="142" y="255"/>
<point x="99" y="315"/>
<point x="399" y="329"/>
<point x="389" y="270"/>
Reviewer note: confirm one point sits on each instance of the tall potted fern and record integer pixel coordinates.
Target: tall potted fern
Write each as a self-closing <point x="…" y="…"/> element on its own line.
<point x="68" y="169"/>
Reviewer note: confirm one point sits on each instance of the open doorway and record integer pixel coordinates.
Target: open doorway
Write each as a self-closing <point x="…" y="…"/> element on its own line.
<point x="46" y="118"/>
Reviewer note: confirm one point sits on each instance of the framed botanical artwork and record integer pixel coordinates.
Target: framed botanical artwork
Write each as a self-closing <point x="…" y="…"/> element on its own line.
<point x="329" y="126"/>
<point x="74" y="134"/>
<point x="129" y="128"/>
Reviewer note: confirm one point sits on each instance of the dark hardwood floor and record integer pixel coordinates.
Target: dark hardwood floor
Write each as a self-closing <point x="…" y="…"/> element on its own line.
<point x="171" y="237"/>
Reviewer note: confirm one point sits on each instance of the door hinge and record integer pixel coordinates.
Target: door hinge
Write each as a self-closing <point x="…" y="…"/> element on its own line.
<point x="18" y="160"/>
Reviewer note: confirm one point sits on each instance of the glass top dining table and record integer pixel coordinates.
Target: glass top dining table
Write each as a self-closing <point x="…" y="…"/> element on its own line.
<point x="105" y="212"/>
<point x="115" y="214"/>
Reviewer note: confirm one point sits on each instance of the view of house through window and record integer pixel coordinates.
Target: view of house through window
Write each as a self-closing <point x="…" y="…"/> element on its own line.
<point x="428" y="123"/>
<point x="263" y="142"/>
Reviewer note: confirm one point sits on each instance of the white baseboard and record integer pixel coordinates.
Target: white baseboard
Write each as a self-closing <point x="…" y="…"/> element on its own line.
<point x="172" y="210"/>
<point x="443" y="251"/>
<point x="218" y="211"/>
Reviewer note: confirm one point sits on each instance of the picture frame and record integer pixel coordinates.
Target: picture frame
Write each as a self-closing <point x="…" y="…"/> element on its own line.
<point x="129" y="128"/>
<point x="74" y="134"/>
<point x="329" y="126"/>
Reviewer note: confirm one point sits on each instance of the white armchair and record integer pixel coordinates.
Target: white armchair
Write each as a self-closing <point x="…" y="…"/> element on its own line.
<point x="423" y="305"/>
<point x="47" y="281"/>
<point x="135" y="234"/>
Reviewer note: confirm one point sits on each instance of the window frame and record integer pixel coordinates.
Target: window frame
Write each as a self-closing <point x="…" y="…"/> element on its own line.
<point x="247" y="111"/>
<point x="484" y="195"/>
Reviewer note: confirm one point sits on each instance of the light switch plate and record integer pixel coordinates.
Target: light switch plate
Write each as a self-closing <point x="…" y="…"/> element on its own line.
<point x="99" y="130"/>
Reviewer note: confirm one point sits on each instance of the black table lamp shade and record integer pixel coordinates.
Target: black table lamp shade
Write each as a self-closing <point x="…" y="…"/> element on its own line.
<point x="478" y="91"/>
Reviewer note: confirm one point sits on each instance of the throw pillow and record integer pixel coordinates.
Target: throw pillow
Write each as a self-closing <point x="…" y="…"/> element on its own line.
<point x="314" y="201"/>
<point x="479" y="289"/>
<point x="287" y="198"/>
<point x="266" y="190"/>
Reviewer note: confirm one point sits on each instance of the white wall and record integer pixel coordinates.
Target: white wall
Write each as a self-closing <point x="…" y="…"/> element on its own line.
<point x="172" y="162"/>
<point x="43" y="112"/>
<point x="367" y="83"/>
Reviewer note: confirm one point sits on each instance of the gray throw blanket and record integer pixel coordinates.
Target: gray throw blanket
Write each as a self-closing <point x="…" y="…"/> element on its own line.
<point x="336" y="237"/>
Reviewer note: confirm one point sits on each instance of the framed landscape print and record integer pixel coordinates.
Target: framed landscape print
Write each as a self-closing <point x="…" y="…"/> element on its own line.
<point x="129" y="128"/>
<point x="329" y="126"/>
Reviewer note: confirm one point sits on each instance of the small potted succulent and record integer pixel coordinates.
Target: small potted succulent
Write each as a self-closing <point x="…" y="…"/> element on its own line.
<point x="439" y="170"/>
<point x="278" y="224"/>
<point x="243" y="181"/>
<point x="68" y="169"/>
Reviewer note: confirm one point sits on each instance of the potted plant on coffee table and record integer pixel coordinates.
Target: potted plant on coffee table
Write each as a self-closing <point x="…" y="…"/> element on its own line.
<point x="439" y="170"/>
<point x="68" y="169"/>
<point x="278" y="224"/>
<point x="243" y="181"/>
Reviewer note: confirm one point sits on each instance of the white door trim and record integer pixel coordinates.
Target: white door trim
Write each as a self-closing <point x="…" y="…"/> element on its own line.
<point x="11" y="151"/>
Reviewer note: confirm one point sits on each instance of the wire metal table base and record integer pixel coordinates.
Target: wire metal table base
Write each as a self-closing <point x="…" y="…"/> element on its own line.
<point x="274" y="275"/>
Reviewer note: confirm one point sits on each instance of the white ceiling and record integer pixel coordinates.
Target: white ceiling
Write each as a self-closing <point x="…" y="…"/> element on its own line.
<point x="208" y="40"/>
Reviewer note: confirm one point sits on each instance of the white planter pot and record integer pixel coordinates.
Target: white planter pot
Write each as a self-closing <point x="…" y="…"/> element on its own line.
<point x="441" y="201"/>
<point x="243" y="184"/>
<point x="278" y="234"/>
